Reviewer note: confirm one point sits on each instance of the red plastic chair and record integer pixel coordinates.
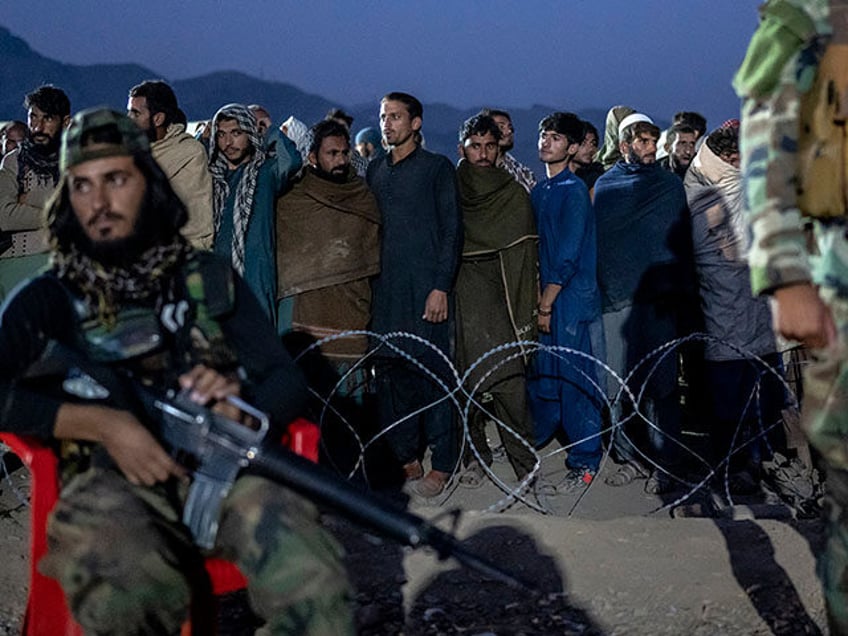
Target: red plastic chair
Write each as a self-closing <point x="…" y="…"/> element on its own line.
<point x="47" y="612"/>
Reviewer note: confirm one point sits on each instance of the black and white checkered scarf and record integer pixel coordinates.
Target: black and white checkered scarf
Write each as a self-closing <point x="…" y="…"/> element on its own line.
<point x="106" y="288"/>
<point x="218" y="166"/>
<point x="43" y="166"/>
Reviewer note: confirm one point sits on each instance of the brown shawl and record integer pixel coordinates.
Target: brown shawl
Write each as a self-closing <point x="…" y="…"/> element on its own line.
<point x="327" y="234"/>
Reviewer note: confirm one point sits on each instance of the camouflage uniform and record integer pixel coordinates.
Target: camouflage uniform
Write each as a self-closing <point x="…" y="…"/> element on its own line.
<point x="779" y="69"/>
<point x="128" y="566"/>
<point x="125" y="560"/>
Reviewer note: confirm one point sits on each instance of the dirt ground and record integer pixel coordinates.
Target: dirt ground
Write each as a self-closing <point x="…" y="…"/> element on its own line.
<point x="607" y="561"/>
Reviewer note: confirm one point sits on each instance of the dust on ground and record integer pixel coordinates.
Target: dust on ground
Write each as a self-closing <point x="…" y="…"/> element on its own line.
<point x="605" y="561"/>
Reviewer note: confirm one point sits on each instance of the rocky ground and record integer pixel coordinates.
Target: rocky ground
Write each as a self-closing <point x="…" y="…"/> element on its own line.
<point x="606" y="561"/>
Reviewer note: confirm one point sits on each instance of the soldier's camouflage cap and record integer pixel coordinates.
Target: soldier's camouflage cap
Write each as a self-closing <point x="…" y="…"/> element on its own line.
<point x="132" y="138"/>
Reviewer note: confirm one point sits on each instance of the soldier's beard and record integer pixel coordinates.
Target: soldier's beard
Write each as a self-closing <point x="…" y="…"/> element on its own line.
<point x="118" y="252"/>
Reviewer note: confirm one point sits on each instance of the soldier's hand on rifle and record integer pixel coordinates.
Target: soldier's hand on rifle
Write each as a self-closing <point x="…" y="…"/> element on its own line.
<point x="136" y="452"/>
<point x="210" y="388"/>
<point x="800" y="314"/>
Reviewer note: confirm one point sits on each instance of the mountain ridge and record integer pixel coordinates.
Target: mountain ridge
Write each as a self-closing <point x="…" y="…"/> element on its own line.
<point x="22" y="69"/>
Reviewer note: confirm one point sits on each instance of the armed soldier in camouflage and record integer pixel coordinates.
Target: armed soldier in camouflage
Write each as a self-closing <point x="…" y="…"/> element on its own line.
<point x="127" y="292"/>
<point x="794" y="85"/>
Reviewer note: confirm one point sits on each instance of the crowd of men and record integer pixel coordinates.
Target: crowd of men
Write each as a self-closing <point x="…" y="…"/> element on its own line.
<point x="409" y="267"/>
<point x="611" y="254"/>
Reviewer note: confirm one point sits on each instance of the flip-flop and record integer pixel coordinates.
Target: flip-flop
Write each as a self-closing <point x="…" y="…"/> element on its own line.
<point x="624" y="475"/>
<point x="473" y="477"/>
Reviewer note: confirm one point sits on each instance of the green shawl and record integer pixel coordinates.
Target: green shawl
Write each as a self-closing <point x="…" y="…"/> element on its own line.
<point x="498" y="221"/>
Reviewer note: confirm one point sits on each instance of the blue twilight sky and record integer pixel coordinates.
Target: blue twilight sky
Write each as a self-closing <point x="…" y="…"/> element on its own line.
<point x="659" y="56"/>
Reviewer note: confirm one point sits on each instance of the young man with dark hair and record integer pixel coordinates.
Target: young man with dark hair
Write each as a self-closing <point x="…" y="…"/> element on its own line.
<point x="495" y="298"/>
<point x="422" y="238"/>
<point x="28" y="176"/>
<point x="125" y="292"/>
<point x="562" y="387"/>
<point x="245" y="190"/>
<point x="521" y="173"/>
<point x="152" y="105"/>
<point x="583" y="163"/>
<point x="680" y="145"/>
<point x="696" y="121"/>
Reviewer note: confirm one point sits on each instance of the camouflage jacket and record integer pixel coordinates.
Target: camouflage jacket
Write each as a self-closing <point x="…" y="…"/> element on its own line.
<point x="778" y="68"/>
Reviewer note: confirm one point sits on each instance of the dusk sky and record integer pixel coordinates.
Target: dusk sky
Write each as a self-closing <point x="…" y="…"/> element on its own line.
<point x="659" y="56"/>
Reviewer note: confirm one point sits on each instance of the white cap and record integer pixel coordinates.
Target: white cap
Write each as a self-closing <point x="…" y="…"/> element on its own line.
<point x="632" y="119"/>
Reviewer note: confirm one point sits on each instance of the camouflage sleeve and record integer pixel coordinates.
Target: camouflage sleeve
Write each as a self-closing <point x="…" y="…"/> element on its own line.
<point x="768" y="146"/>
<point x="768" y="140"/>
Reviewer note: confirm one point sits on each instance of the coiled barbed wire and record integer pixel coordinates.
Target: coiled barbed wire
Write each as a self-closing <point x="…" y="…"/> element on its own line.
<point x="623" y="400"/>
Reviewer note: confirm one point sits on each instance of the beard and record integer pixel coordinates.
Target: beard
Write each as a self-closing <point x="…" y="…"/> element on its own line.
<point x="116" y="252"/>
<point x="151" y="131"/>
<point x="45" y="147"/>
<point x="337" y="175"/>
<point x="632" y="157"/>
<point x="119" y="252"/>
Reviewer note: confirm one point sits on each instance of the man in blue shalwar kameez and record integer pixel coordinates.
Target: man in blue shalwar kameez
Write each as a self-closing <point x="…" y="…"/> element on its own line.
<point x="563" y="386"/>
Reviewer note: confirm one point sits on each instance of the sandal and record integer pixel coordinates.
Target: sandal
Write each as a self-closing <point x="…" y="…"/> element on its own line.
<point x="432" y="484"/>
<point x="625" y="474"/>
<point x="413" y="470"/>
<point x="659" y="483"/>
<point x="473" y="476"/>
<point x="544" y="487"/>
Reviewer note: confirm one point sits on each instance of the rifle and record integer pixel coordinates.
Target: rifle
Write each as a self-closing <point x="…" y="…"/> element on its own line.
<point x="216" y="449"/>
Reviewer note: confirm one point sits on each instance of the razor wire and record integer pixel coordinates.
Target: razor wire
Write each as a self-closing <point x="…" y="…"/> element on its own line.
<point x="623" y="404"/>
<point x="465" y="398"/>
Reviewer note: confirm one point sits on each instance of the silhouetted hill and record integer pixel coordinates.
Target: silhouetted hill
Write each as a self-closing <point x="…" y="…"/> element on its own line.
<point x="201" y="96"/>
<point x="22" y="69"/>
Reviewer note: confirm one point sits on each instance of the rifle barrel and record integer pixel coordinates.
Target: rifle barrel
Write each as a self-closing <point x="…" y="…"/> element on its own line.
<point x="367" y="509"/>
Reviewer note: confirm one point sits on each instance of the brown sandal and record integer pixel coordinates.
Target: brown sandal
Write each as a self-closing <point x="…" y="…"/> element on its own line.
<point x="433" y="484"/>
<point x="413" y="470"/>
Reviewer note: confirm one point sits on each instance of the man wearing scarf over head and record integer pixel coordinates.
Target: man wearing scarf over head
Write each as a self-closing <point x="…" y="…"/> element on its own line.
<point x="28" y="177"/>
<point x="245" y="188"/>
<point x="495" y="296"/>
